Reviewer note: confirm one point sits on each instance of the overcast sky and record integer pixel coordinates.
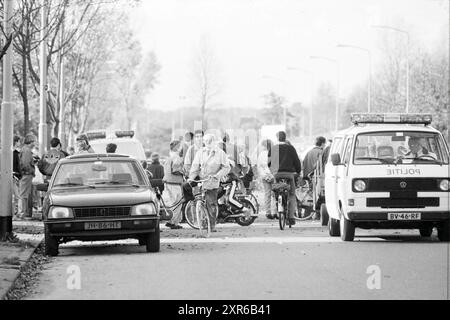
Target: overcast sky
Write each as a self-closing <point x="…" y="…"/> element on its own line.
<point x="252" y="38"/>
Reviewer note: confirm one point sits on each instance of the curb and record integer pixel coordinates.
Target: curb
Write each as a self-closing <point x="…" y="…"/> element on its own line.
<point x="19" y="270"/>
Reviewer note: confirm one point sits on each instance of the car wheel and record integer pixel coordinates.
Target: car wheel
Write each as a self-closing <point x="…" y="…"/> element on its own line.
<point x="443" y="231"/>
<point x="153" y="240"/>
<point x="51" y="243"/>
<point x="333" y="227"/>
<point x="426" y="232"/>
<point x="347" y="229"/>
<point x="324" y="215"/>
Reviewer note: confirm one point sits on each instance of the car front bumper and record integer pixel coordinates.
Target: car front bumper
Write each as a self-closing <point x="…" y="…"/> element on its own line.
<point x="130" y="227"/>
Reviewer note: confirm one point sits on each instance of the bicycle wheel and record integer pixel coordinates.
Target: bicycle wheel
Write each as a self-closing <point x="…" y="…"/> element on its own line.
<point x="204" y="225"/>
<point x="191" y="215"/>
<point x="282" y="214"/>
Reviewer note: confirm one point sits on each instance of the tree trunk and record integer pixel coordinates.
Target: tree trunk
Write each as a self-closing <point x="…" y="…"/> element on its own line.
<point x="26" y="109"/>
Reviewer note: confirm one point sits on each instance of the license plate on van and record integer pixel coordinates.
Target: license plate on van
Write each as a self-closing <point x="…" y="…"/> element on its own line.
<point x="405" y="216"/>
<point x="102" y="225"/>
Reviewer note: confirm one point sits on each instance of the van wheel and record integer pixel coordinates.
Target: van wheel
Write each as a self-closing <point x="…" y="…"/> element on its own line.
<point x="333" y="227"/>
<point x="51" y="244"/>
<point x="347" y="229"/>
<point x="324" y="215"/>
<point x="443" y="231"/>
<point x="426" y="232"/>
<point x="153" y="240"/>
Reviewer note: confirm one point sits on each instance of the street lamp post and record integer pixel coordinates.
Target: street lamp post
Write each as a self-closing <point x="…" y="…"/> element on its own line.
<point x="369" y="88"/>
<point x="43" y="82"/>
<point x="285" y="106"/>
<point x="337" y="85"/>
<point x="311" y="74"/>
<point x="407" y="57"/>
<point x="7" y="120"/>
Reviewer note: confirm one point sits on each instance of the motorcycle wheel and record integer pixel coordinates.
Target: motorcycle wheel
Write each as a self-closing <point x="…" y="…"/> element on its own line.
<point x="246" y="221"/>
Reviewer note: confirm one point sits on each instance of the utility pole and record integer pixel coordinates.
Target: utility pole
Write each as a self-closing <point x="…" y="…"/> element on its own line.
<point x="43" y="82"/>
<point x="7" y="113"/>
<point x="62" y="105"/>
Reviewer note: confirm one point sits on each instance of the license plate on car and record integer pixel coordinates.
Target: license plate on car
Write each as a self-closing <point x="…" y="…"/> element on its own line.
<point x="405" y="216"/>
<point x="102" y="225"/>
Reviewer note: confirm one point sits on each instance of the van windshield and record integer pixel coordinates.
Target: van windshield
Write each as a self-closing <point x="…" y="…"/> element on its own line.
<point x="400" y="147"/>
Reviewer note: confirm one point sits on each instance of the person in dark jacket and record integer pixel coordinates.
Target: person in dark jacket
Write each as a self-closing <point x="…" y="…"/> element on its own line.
<point x="157" y="170"/>
<point x="284" y="163"/>
<point x="28" y="172"/>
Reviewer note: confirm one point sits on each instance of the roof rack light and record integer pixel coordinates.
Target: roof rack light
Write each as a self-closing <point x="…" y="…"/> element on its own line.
<point x="125" y="134"/>
<point x="96" y="135"/>
<point x="406" y="118"/>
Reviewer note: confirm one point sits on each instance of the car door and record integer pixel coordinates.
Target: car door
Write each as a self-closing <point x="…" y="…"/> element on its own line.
<point x="330" y="179"/>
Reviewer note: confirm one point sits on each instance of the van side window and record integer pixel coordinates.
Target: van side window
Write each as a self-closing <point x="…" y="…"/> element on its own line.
<point x="348" y="151"/>
<point x="336" y="145"/>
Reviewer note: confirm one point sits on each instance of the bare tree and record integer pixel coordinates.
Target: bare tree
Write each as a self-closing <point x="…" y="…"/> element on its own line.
<point x="206" y="84"/>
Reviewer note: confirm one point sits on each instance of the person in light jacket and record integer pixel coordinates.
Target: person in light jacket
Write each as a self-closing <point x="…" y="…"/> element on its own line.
<point x="210" y="163"/>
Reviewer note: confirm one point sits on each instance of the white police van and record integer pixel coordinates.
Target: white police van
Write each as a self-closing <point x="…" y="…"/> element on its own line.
<point x="388" y="171"/>
<point x="125" y="141"/>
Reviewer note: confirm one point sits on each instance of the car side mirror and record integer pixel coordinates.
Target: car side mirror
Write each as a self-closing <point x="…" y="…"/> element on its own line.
<point x="145" y="165"/>
<point x="336" y="159"/>
<point x="43" y="187"/>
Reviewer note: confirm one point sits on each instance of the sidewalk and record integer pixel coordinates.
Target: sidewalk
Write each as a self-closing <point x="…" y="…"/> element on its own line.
<point x="13" y="257"/>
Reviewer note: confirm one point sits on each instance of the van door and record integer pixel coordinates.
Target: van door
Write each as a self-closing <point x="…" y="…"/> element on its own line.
<point x="330" y="179"/>
<point x="342" y="171"/>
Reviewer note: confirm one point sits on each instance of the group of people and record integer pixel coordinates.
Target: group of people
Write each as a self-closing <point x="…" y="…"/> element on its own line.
<point x="205" y="157"/>
<point x="26" y="159"/>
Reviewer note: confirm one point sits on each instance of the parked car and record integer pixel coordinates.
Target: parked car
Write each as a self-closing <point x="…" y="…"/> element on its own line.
<point x="93" y="197"/>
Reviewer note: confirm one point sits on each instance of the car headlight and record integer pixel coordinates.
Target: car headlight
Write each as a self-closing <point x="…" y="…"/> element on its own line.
<point x="444" y="185"/>
<point x="148" y="209"/>
<point x="60" y="213"/>
<point x="359" y="185"/>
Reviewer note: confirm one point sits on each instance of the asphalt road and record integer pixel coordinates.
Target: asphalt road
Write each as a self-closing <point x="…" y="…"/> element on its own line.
<point x="259" y="262"/>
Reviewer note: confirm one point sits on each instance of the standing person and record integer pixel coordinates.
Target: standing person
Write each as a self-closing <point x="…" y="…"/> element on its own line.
<point x="157" y="170"/>
<point x="83" y="145"/>
<point x="284" y="163"/>
<point x="16" y="173"/>
<point x="187" y="143"/>
<point x="210" y="162"/>
<point x="111" y="148"/>
<point x="311" y="158"/>
<point x="173" y="179"/>
<point x="266" y="176"/>
<point x="49" y="161"/>
<point x="192" y="151"/>
<point x="28" y="172"/>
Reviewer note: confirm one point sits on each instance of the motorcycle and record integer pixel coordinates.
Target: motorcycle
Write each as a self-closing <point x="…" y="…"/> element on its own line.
<point x="235" y="206"/>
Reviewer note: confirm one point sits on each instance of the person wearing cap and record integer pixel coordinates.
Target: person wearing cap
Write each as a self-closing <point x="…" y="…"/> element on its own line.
<point x="83" y="145"/>
<point x="417" y="150"/>
<point x="157" y="170"/>
<point x="28" y="172"/>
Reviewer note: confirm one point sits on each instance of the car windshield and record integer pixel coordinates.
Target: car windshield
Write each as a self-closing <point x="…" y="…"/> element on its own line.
<point x="98" y="174"/>
<point x="129" y="148"/>
<point x="400" y="147"/>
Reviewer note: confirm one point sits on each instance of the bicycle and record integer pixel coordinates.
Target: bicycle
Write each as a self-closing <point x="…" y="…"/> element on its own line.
<point x="202" y="223"/>
<point x="281" y="189"/>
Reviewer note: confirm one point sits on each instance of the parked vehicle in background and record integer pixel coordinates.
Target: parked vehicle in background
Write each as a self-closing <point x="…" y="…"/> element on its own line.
<point x="388" y="171"/>
<point x="125" y="141"/>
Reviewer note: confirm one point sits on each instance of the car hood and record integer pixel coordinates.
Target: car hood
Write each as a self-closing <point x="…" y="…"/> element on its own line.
<point x="101" y="197"/>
